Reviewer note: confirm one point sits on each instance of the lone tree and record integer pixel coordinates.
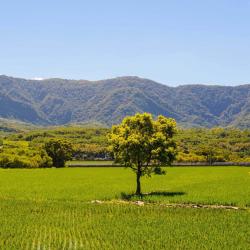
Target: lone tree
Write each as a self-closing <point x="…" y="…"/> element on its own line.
<point x="143" y="144"/>
<point x="60" y="151"/>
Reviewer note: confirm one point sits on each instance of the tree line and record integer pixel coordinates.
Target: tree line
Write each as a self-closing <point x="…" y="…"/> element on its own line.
<point x="28" y="149"/>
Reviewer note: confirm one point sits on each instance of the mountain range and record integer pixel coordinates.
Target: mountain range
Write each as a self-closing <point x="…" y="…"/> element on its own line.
<point x="60" y="101"/>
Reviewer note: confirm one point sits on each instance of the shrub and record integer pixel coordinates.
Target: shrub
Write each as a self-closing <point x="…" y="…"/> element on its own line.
<point x="40" y="160"/>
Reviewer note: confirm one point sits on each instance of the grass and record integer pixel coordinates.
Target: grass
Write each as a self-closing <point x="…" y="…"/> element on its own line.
<point x="50" y="209"/>
<point x="65" y="225"/>
<point x="220" y="185"/>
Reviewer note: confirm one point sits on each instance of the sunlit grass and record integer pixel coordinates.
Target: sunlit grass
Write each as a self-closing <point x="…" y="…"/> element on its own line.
<point x="76" y="225"/>
<point x="220" y="185"/>
<point x="51" y="209"/>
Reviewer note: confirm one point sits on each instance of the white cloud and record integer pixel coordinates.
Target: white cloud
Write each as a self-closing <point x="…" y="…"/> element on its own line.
<point x="37" y="78"/>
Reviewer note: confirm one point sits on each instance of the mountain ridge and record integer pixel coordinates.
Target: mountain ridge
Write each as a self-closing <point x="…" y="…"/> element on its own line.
<point x="123" y="77"/>
<point x="58" y="101"/>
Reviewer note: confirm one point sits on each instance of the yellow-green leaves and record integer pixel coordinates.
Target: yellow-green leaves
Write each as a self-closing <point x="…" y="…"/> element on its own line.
<point x="140" y="140"/>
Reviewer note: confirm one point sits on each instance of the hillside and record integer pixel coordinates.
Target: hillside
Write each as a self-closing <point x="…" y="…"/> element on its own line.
<point x="59" y="101"/>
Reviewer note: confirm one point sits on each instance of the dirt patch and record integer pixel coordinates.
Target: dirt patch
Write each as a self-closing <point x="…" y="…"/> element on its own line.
<point x="179" y="205"/>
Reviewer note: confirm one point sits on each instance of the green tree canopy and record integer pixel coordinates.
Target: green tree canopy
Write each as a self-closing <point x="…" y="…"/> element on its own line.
<point x="144" y="144"/>
<point x="59" y="150"/>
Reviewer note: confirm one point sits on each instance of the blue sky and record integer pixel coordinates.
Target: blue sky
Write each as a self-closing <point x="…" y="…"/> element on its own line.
<point x="173" y="42"/>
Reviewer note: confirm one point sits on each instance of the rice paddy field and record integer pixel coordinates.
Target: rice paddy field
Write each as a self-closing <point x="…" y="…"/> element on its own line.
<point x="52" y="209"/>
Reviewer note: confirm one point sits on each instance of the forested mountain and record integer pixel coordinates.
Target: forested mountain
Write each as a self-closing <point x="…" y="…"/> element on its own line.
<point x="59" y="101"/>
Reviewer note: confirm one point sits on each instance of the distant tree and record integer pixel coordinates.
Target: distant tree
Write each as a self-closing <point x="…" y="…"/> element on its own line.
<point x="144" y="145"/>
<point x="209" y="152"/>
<point x="59" y="150"/>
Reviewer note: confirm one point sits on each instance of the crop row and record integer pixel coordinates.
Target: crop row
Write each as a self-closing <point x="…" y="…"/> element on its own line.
<point x="76" y="225"/>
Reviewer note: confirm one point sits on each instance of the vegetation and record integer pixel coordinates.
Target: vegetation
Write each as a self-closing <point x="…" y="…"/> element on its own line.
<point x="193" y="145"/>
<point x="73" y="225"/>
<point x="51" y="209"/>
<point x="92" y="208"/>
<point x="216" y="144"/>
<point x="143" y="145"/>
<point x="60" y="151"/>
<point x="197" y="185"/>
<point x="27" y="148"/>
<point x="20" y="154"/>
<point x="73" y="102"/>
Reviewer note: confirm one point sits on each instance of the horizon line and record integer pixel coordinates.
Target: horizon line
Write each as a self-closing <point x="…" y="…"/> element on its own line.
<point x="126" y="76"/>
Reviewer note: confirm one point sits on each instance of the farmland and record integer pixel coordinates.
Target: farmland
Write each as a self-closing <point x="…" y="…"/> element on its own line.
<point x="52" y="209"/>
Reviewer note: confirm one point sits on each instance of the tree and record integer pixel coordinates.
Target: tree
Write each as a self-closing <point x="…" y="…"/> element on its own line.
<point x="60" y="151"/>
<point x="209" y="151"/>
<point x="144" y="145"/>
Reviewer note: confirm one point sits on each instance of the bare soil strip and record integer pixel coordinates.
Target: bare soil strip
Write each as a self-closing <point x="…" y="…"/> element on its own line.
<point x="179" y="205"/>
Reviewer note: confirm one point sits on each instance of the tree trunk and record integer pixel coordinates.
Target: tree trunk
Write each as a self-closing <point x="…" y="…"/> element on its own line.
<point x="138" y="181"/>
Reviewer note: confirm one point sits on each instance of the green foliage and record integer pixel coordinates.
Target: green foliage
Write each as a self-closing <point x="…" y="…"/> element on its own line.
<point x="87" y="143"/>
<point x="90" y="151"/>
<point x="143" y="144"/>
<point x="227" y="144"/>
<point x="60" y="151"/>
<point x="38" y="161"/>
<point x="76" y="135"/>
<point x="20" y="154"/>
<point x="216" y="144"/>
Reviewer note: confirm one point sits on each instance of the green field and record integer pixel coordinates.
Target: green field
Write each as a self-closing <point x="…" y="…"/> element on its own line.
<point x="90" y="163"/>
<point x="51" y="209"/>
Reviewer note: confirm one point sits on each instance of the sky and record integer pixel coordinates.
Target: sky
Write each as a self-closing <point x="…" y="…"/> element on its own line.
<point x="170" y="41"/>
